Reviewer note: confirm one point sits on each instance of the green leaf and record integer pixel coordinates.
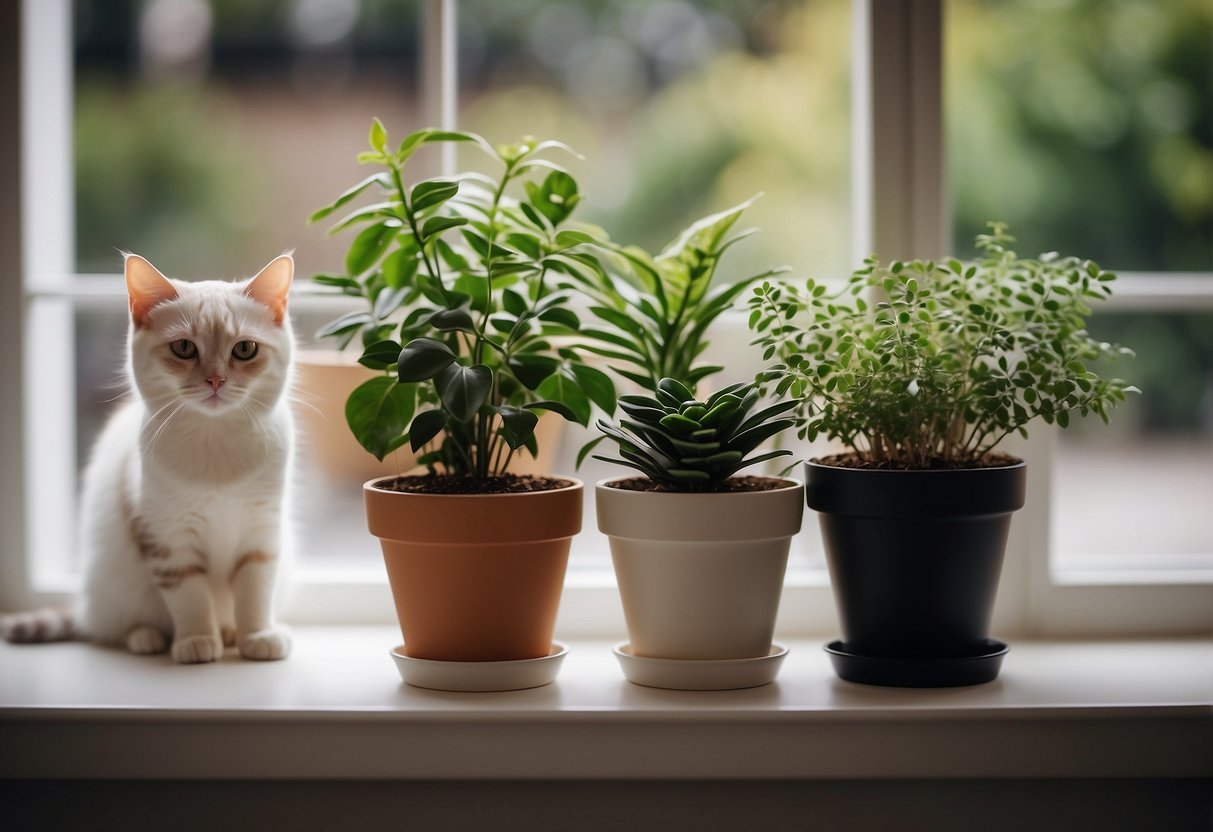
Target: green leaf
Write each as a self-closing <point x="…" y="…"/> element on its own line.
<point x="423" y="358"/>
<point x="562" y="316"/>
<point x="380" y="355"/>
<point x="597" y="385"/>
<point x="378" y="411"/>
<point x="399" y="267"/>
<point x="531" y="370"/>
<point x="382" y="179"/>
<point x="675" y="389"/>
<point x="436" y="225"/>
<point x="425" y="427"/>
<point x="430" y="193"/>
<point x="459" y="318"/>
<point x="518" y="425"/>
<point x="556" y="407"/>
<point x="563" y="387"/>
<point x="369" y="246"/>
<point x="464" y="389"/>
<point x="352" y="320"/>
<point x="586" y="449"/>
<point x="339" y="281"/>
<point x="378" y="135"/>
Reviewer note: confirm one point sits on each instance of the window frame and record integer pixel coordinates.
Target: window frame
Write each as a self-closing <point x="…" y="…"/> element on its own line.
<point x="899" y="203"/>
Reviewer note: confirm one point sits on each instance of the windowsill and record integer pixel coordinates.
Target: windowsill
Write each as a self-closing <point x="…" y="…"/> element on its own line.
<point x="337" y="708"/>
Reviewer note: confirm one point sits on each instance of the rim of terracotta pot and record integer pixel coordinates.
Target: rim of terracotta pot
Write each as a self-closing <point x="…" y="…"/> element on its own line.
<point x="921" y="493"/>
<point x="731" y="515"/>
<point x="521" y="517"/>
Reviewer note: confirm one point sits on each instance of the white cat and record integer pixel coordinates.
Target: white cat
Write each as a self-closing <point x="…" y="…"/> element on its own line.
<point x="183" y="513"/>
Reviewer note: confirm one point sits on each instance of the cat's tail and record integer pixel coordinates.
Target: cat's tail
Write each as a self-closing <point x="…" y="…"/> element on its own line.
<point x="37" y="626"/>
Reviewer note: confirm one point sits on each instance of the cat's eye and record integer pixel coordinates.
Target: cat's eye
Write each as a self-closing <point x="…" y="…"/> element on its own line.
<point x="244" y="350"/>
<point x="184" y="349"/>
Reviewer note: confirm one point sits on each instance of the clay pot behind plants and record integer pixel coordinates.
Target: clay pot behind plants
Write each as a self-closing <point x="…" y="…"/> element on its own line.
<point x="476" y="577"/>
<point x="325" y="379"/>
<point x="700" y="575"/>
<point x="915" y="557"/>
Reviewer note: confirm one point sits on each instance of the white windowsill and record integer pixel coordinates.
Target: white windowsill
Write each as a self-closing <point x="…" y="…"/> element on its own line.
<point x="337" y="708"/>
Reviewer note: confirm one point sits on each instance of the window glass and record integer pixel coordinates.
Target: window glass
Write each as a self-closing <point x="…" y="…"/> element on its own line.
<point x="1144" y="484"/>
<point x="207" y="131"/>
<point x="1088" y="126"/>
<point x="681" y="109"/>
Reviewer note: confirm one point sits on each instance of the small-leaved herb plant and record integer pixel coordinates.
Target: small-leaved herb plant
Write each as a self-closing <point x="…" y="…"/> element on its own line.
<point x="658" y="309"/>
<point x="461" y="312"/>
<point x="920" y="364"/>
<point x="691" y="445"/>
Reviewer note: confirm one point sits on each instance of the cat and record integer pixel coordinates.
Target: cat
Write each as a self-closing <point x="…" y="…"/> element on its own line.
<point x="183" y="513"/>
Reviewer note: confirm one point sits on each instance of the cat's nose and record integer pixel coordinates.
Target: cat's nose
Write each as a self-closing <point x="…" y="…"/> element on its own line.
<point x="216" y="381"/>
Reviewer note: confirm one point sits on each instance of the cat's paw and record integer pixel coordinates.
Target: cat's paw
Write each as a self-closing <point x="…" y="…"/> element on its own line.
<point x="147" y="640"/>
<point x="228" y="634"/>
<point x="197" y="649"/>
<point x="265" y="645"/>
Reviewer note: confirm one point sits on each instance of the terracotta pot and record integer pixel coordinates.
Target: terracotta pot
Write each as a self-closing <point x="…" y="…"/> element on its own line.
<point x="700" y="575"/>
<point x="325" y="379"/>
<point x="476" y="577"/>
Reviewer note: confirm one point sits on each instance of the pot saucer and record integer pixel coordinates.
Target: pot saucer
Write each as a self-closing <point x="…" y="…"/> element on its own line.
<point x="700" y="674"/>
<point x="952" y="671"/>
<point x="514" y="674"/>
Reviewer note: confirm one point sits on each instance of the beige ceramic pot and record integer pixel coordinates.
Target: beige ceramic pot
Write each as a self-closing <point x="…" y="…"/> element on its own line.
<point x="476" y="578"/>
<point x="700" y="575"/>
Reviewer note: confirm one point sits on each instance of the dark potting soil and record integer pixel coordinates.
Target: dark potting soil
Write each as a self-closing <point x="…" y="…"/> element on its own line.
<point x="448" y="484"/>
<point x="853" y="460"/>
<point x="731" y="485"/>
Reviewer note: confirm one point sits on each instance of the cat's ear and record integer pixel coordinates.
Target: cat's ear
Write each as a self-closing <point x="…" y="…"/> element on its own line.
<point x="272" y="285"/>
<point x="146" y="288"/>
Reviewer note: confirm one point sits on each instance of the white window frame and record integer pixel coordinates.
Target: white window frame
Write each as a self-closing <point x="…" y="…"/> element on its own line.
<point x="900" y="205"/>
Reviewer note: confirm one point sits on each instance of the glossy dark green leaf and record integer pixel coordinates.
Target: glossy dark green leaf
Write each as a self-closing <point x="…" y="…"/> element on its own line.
<point x="423" y="358"/>
<point x="531" y="370"/>
<point x="563" y="387"/>
<point x="426" y="425"/>
<point x="380" y="355"/>
<point x="597" y="385"/>
<point x="378" y="411"/>
<point x="464" y="389"/>
<point x="518" y="425"/>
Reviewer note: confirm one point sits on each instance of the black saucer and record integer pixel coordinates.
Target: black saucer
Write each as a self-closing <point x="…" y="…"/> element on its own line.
<point x="952" y="671"/>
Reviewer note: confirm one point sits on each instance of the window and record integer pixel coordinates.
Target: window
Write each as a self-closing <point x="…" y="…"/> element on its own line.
<point x="204" y="132"/>
<point x="1092" y="136"/>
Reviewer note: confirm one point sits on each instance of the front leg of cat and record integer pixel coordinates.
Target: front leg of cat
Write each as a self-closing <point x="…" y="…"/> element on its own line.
<point x="187" y="593"/>
<point x="257" y="636"/>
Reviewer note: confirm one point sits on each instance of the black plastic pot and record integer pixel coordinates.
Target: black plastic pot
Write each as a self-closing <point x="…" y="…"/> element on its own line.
<point x="915" y="558"/>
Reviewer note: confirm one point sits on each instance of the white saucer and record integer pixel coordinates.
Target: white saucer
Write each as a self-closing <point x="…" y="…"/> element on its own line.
<point x="700" y="674"/>
<point x="480" y="676"/>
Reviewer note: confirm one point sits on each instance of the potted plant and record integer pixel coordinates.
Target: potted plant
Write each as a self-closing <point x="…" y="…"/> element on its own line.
<point x="476" y="556"/>
<point x="658" y="309"/>
<point x="699" y="553"/>
<point x="921" y="385"/>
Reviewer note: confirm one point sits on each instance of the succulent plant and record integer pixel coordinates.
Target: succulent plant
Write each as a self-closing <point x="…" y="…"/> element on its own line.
<point x="693" y="445"/>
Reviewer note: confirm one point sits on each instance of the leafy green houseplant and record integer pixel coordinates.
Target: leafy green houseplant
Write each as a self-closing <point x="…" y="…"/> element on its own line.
<point x="473" y="360"/>
<point x="658" y="309"/>
<point x="472" y="338"/>
<point x="699" y="553"/>
<point x="683" y="444"/>
<point x="920" y="369"/>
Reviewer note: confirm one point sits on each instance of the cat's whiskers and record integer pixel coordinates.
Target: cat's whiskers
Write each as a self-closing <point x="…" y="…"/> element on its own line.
<point x="150" y="448"/>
